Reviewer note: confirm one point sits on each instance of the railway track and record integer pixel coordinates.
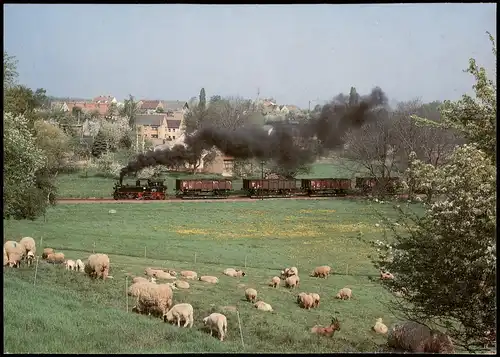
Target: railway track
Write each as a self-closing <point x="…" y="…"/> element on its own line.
<point x="209" y="199"/>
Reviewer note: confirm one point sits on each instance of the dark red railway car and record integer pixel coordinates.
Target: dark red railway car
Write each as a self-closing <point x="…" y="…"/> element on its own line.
<point x="371" y="184"/>
<point x="203" y="187"/>
<point x="270" y="187"/>
<point x="326" y="186"/>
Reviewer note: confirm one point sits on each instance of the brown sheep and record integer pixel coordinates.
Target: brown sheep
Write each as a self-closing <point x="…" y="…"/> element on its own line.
<point x="55" y="258"/>
<point x="97" y="266"/>
<point x="327" y="331"/>
<point x="189" y="274"/>
<point x="316" y="299"/>
<point x="209" y="279"/>
<point x="321" y="271"/>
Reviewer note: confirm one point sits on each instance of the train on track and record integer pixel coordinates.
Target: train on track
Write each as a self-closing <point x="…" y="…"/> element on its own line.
<point x="254" y="188"/>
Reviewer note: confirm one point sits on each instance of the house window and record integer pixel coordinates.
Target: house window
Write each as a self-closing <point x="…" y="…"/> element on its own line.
<point x="228" y="165"/>
<point x="173" y="137"/>
<point x="154" y="136"/>
<point x="169" y="129"/>
<point x="169" y="137"/>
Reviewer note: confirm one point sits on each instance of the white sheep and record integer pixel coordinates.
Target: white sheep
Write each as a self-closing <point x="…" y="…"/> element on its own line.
<point x="139" y="279"/>
<point x="234" y="272"/>
<point x="275" y="282"/>
<point x="218" y="322"/>
<point x="189" y="274"/>
<point x="344" y="294"/>
<point x="15" y="253"/>
<point x="5" y="257"/>
<point x="180" y="312"/>
<point x="29" y="244"/>
<point x="30" y="257"/>
<point x="379" y="327"/>
<point x="70" y="264"/>
<point x="305" y="300"/>
<point x="97" y="266"/>
<point x="80" y="266"/>
<point x="153" y="298"/>
<point x="251" y="294"/>
<point x="209" y="279"/>
<point x="261" y="305"/>
<point x="316" y="299"/>
<point x="181" y="284"/>
<point x="292" y="281"/>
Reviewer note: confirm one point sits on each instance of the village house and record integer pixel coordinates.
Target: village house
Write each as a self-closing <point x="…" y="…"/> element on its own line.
<point x="158" y="126"/>
<point x="89" y="107"/>
<point x="150" y="106"/>
<point x="221" y="165"/>
<point x="105" y="99"/>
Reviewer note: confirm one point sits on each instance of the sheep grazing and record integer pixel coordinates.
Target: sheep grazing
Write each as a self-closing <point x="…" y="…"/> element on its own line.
<point x="261" y="305"/>
<point x="181" y="284"/>
<point x="327" y="331"/>
<point x="180" y="312"/>
<point x="30" y="257"/>
<point x="275" y="282"/>
<point x="46" y="252"/>
<point x="5" y="257"/>
<point x="321" y="272"/>
<point x="209" y="279"/>
<point x="14" y="252"/>
<point x="189" y="274"/>
<point x="379" y="327"/>
<point x="289" y="272"/>
<point x="292" y="281"/>
<point x="305" y="300"/>
<point x="70" y="264"/>
<point x="344" y="294"/>
<point x="152" y="298"/>
<point x="97" y="266"/>
<point x="80" y="266"/>
<point x="386" y="276"/>
<point x="414" y="337"/>
<point x="217" y="322"/>
<point x="316" y="299"/>
<point x="55" y="258"/>
<point x="234" y="272"/>
<point x="29" y="244"/>
<point x="251" y="295"/>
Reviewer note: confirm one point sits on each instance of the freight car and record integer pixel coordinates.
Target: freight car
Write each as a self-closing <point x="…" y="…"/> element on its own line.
<point x="390" y="185"/>
<point x="326" y="186"/>
<point x="192" y="188"/>
<point x="270" y="187"/>
<point x="149" y="190"/>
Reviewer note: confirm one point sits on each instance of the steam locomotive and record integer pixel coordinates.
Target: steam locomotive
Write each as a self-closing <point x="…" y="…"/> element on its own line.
<point x="255" y="188"/>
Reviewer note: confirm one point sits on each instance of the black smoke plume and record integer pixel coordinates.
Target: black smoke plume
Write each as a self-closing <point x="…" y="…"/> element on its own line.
<point x="288" y="146"/>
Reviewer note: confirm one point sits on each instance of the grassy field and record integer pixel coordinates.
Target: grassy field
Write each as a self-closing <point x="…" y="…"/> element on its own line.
<point x="66" y="312"/>
<point x="76" y="185"/>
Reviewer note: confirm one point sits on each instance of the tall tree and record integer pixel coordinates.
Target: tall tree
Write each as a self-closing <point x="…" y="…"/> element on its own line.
<point x="445" y="261"/>
<point x="203" y="99"/>
<point x="353" y="97"/>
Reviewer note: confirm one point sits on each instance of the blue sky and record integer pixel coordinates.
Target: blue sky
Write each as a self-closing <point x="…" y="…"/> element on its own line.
<point x="294" y="53"/>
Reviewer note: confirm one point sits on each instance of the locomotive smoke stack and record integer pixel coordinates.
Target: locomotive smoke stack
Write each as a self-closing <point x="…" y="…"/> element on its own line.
<point x="280" y="146"/>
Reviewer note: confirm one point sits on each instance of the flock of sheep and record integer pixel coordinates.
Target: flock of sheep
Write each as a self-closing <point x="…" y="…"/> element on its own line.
<point x="156" y="299"/>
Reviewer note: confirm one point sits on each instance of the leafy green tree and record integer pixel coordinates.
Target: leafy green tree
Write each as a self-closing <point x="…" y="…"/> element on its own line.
<point x="54" y="143"/>
<point x="100" y="144"/>
<point x="160" y="110"/>
<point x="22" y="160"/>
<point x="203" y="99"/>
<point x="445" y="260"/>
<point x="125" y="142"/>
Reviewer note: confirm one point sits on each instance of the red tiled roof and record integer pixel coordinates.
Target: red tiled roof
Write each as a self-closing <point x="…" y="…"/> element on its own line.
<point x="101" y="108"/>
<point x="150" y="104"/>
